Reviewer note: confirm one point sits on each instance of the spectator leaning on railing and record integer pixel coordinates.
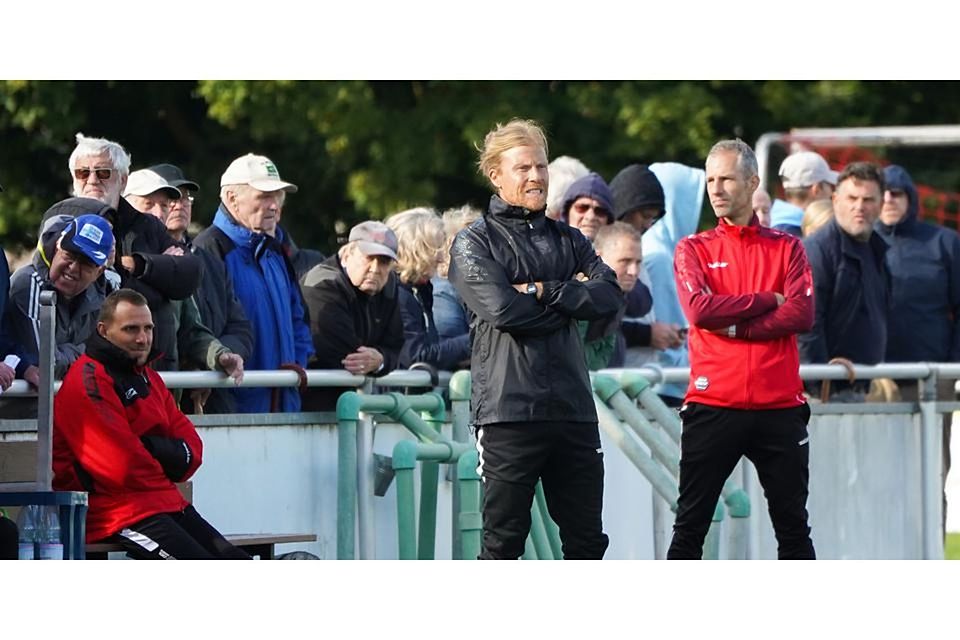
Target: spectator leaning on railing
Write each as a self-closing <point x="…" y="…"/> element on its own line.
<point x="421" y="242"/>
<point x="70" y="259"/>
<point x="264" y="279"/>
<point x="354" y="310"/>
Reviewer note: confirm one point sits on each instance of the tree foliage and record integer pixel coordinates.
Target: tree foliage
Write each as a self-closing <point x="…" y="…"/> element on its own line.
<point x="361" y="149"/>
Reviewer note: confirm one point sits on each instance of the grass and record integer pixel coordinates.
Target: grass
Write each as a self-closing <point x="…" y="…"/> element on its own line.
<point x="952" y="549"/>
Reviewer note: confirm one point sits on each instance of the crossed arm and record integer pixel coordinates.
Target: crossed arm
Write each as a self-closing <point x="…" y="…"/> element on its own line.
<point x="765" y="315"/>
<point x="487" y="290"/>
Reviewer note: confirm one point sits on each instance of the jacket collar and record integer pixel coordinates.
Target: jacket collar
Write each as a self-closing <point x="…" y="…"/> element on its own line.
<point x="750" y="230"/>
<point x="112" y="356"/>
<point x="501" y="209"/>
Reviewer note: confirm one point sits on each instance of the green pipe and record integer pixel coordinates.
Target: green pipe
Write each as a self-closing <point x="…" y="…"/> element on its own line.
<point x="427" y="538"/>
<point x="470" y="520"/>
<point x="403" y="412"/>
<point x="529" y="552"/>
<point x="662" y="448"/>
<point x="711" y="546"/>
<point x="553" y="531"/>
<point x="538" y="533"/>
<point x="660" y="480"/>
<point x="460" y="386"/>
<point x="349" y="406"/>
<point x="404" y="463"/>
<point x="459" y="391"/>
<point x="738" y="503"/>
<point x="638" y="387"/>
<point x="347" y="418"/>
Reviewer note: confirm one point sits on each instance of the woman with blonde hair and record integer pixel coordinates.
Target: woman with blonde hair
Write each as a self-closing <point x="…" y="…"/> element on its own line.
<point x="817" y="214"/>
<point x="448" y="311"/>
<point x="422" y="244"/>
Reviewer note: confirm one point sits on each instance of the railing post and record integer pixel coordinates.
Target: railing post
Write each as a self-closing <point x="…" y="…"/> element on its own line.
<point x="460" y="421"/>
<point x="48" y="342"/>
<point x="404" y="463"/>
<point x="347" y="418"/>
<point x="931" y="463"/>
<point x="365" y="471"/>
<point x="470" y="521"/>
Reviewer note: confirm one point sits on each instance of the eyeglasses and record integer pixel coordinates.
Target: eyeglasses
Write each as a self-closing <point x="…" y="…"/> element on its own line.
<point x="582" y="208"/>
<point x="82" y="173"/>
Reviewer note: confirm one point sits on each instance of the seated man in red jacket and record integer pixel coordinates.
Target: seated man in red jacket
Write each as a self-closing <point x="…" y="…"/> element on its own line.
<point x="118" y="434"/>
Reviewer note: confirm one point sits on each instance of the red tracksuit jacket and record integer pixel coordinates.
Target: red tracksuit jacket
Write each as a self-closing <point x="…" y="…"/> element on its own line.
<point x="728" y="276"/>
<point x="97" y="447"/>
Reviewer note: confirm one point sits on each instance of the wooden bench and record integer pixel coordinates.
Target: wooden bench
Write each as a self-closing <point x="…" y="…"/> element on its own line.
<point x="256" y="544"/>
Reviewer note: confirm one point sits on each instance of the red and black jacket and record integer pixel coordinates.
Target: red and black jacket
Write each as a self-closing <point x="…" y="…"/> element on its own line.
<point x="728" y="277"/>
<point x="118" y="434"/>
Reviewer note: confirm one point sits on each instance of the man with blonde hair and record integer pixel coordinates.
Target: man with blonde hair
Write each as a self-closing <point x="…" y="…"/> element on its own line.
<point x="526" y="280"/>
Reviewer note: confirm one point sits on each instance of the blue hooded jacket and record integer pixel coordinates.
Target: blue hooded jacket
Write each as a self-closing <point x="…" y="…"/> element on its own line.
<point x="683" y="189"/>
<point x="786" y="217"/>
<point x="924" y="264"/>
<point x="268" y="290"/>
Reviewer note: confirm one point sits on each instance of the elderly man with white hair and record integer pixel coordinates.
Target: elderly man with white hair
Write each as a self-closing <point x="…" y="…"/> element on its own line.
<point x="147" y="259"/>
<point x="265" y="281"/>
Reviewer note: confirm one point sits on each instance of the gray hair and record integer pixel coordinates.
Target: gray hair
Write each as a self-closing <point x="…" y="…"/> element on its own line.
<point x="453" y="221"/>
<point x="86" y="146"/>
<point x="746" y="158"/>
<point x="563" y="172"/>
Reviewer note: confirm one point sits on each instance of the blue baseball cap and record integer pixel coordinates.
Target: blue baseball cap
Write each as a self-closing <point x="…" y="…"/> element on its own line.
<point x="89" y="236"/>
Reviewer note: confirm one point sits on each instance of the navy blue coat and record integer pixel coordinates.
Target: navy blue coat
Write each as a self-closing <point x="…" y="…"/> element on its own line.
<point x="421" y="342"/>
<point x="924" y="264"/>
<point x="848" y="322"/>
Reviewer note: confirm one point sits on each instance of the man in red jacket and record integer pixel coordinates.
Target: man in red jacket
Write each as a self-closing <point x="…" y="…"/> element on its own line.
<point x="746" y="291"/>
<point x="118" y="434"/>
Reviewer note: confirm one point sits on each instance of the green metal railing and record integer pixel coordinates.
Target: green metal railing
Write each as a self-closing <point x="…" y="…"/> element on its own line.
<point x="620" y="417"/>
<point x="648" y="435"/>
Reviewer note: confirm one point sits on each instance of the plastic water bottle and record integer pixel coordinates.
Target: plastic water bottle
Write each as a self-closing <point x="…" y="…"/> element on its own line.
<point x="49" y="544"/>
<point x="27" y="526"/>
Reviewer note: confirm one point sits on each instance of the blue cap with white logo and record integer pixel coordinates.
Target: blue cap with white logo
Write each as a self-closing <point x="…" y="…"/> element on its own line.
<point x="90" y="236"/>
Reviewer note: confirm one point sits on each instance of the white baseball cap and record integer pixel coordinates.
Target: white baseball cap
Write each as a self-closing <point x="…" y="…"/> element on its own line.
<point x="144" y="182"/>
<point x="257" y="171"/>
<point x="805" y="169"/>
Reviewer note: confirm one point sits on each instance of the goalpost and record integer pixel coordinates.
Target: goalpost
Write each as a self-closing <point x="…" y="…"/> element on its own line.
<point x="930" y="153"/>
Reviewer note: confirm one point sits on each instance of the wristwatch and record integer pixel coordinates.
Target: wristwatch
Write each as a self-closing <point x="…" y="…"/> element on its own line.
<point x="732" y="331"/>
<point x="532" y="288"/>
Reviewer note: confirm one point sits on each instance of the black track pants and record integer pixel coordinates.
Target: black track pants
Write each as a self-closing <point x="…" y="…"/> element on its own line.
<point x="176" y="536"/>
<point x="568" y="459"/>
<point x="712" y="442"/>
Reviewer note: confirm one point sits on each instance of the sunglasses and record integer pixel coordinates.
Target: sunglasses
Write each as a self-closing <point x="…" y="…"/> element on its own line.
<point x="582" y="208"/>
<point x="82" y="173"/>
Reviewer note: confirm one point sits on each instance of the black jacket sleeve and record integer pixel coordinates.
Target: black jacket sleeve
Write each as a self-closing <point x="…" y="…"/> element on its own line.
<point x="173" y="454"/>
<point x="331" y="324"/>
<point x="174" y="277"/>
<point x="600" y="296"/>
<point x="487" y="291"/>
